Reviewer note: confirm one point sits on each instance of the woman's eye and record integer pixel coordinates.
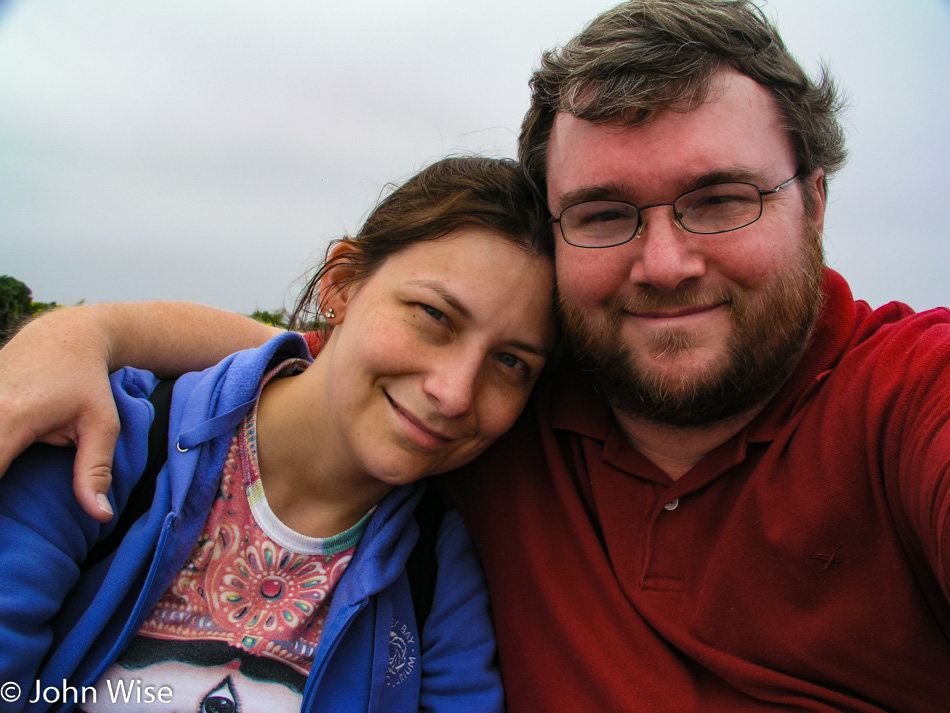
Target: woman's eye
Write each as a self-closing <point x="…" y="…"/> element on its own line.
<point x="436" y="314"/>
<point x="512" y="362"/>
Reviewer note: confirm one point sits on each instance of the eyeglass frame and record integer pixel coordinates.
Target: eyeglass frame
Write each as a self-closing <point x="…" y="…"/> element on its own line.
<point x="639" y="209"/>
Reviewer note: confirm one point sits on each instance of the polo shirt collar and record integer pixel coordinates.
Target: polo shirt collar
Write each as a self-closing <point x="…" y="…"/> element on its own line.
<point x="835" y="328"/>
<point x="577" y="405"/>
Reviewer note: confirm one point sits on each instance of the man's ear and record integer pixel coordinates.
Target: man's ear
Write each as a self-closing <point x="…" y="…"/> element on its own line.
<point x="816" y="184"/>
<point x="337" y="284"/>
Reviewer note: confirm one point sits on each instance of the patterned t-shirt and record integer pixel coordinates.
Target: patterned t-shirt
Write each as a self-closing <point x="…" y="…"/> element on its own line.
<point x="243" y="618"/>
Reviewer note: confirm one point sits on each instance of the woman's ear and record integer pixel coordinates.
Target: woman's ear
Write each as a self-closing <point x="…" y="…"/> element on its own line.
<point x="337" y="283"/>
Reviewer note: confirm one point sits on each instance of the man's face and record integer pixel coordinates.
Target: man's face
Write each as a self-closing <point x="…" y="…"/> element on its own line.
<point x="681" y="328"/>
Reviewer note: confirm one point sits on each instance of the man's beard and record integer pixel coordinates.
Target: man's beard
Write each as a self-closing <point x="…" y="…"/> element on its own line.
<point x="770" y="331"/>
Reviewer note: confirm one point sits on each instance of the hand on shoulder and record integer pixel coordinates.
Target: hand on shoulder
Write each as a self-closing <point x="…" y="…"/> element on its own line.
<point x="54" y="388"/>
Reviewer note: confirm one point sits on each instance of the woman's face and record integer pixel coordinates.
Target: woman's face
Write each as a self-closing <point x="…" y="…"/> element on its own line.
<point x="433" y="355"/>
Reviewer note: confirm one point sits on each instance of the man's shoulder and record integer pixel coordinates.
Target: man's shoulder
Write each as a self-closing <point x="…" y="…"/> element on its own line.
<point x="891" y="355"/>
<point x="850" y="336"/>
<point x="898" y="331"/>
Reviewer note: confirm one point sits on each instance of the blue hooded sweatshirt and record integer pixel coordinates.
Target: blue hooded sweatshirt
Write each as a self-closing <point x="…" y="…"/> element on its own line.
<point x="64" y="627"/>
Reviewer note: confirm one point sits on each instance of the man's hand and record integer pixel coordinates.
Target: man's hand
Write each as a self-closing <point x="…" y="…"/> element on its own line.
<point x="54" y="376"/>
<point x="55" y="389"/>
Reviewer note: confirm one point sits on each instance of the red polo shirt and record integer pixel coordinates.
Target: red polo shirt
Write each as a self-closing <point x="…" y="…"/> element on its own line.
<point x="801" y="566"/>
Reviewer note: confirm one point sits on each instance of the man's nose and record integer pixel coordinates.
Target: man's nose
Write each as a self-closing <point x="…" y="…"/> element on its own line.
<point x="666" y="254"/>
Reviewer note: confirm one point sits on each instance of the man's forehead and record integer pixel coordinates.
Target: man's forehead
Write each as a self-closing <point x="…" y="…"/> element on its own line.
<point x="736" y="133"/>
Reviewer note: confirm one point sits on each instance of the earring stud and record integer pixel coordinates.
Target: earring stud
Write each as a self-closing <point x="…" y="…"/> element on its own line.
<point x="329" y="313"/>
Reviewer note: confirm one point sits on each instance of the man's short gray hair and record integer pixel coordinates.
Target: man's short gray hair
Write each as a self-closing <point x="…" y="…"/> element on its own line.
<point x="647" y="56"/>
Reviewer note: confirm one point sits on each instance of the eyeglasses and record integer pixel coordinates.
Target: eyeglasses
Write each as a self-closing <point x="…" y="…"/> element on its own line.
<point x="712" y="209"/>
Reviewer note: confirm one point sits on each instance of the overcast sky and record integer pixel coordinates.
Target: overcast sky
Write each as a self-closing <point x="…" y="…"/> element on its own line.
<point x="207" y="150"/>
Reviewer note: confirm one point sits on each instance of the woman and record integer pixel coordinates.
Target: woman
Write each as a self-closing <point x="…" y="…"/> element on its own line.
<point x="270" y="567"/>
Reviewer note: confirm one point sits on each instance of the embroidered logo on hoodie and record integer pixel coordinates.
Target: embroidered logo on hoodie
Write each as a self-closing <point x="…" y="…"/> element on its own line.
<point x="403" y="654"/>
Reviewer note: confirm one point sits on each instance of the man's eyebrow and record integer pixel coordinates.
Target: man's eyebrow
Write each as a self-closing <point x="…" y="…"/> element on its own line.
<point x="599" y="192"/>
<point x="732" y="175"/>
<point x="622" y="192"/>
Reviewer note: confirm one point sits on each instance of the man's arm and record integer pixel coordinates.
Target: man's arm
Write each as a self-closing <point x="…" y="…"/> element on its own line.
<point x="54" y="385"/>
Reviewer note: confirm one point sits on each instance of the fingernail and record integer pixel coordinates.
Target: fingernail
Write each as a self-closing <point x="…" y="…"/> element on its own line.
<point x="103" y="502"/>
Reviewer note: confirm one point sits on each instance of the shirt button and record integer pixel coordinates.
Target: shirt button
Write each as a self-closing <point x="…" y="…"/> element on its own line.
<point x="672" y="504"/>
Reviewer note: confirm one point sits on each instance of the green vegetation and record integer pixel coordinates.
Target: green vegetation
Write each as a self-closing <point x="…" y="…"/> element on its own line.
<point x="280" y="318"/>
<point x="17" y="305"/>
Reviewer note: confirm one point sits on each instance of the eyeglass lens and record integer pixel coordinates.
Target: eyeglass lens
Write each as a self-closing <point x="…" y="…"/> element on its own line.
<point x="712" y="209"/>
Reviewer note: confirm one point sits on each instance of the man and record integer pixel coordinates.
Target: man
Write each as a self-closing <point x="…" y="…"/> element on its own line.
<point x="734" y="496"/>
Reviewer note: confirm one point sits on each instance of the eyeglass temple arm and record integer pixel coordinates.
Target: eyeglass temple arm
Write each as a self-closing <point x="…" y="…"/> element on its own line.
<point x="787" y="183"/>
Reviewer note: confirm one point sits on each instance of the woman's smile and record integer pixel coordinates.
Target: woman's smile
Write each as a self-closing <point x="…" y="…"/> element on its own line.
<point x="416" y="429"/>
